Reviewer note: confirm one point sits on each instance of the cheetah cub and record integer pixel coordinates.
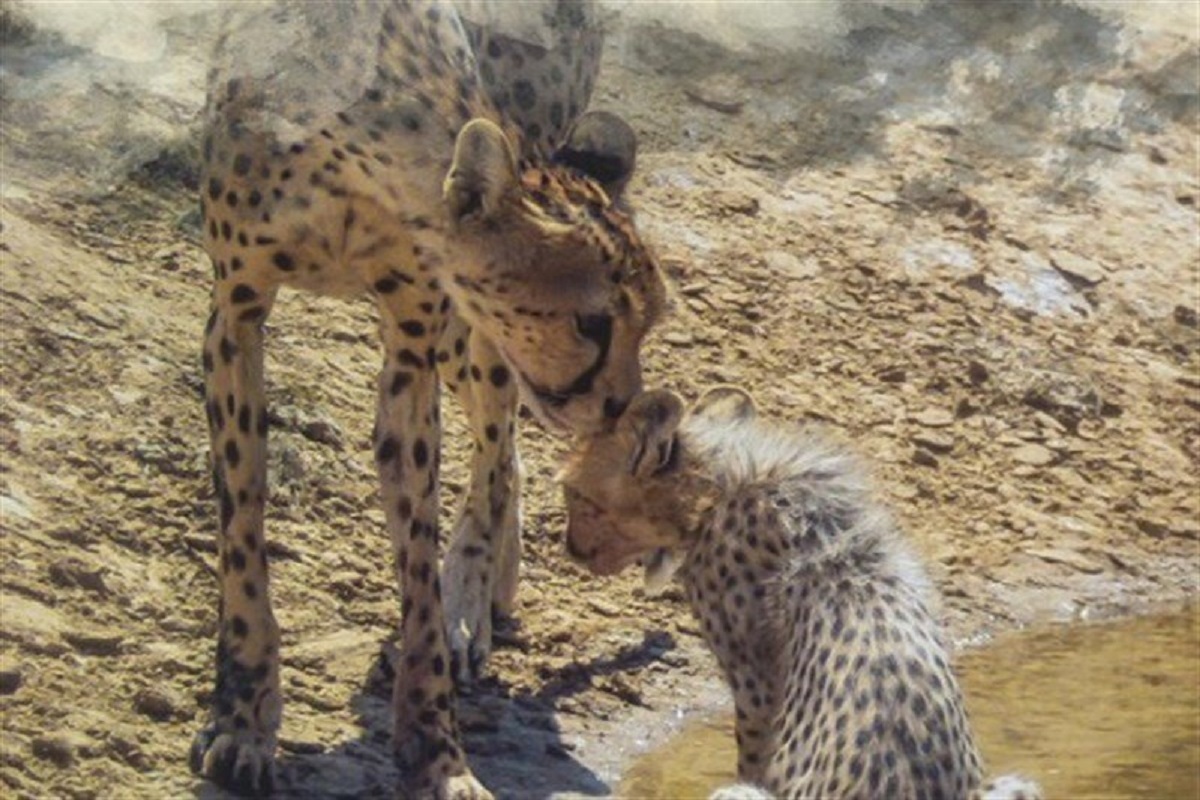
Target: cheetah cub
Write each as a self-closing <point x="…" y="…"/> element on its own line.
<point x="812" y="601"/>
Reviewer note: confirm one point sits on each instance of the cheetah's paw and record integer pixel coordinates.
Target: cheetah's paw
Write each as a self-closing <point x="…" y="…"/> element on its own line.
<point x="740" y="791"/>
<point x="459" y="787"/>
<point x="243" y="762"/>
<point x="467" y="598"/>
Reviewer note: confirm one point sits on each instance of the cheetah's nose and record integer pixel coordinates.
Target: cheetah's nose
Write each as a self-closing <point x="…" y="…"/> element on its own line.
<point x="577" y="554"/>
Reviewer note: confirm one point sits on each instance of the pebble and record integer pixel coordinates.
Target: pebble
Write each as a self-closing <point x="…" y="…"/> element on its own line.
<point x="936" y="441"/>
<point x="71" y="572"/>
<point x="977" y="373"/>
<point x="790" y="266"/>
<point x="679" y="338"/>
<point x="720" y="93"/>
<point x="1077" y="269"/>
<point x="604" y="608"/>
<point x="1070" y="558"/>
<point x="10" y="680"/>
<point x="935" y="418"/>
<point x="95" y="644"/>
<point x="157" y="704"/>
<point x="924" y="458"/>
<point x="1033" y="454"/>
<point x="60" y="749"/>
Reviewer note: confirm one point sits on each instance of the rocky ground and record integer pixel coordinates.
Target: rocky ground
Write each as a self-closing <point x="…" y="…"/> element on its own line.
<point x="965" y="236"/>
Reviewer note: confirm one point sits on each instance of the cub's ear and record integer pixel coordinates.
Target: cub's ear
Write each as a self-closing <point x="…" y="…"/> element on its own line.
<point x="603" y="147"/>
<point x="650" y="423"/>
<point x="727" y="403"/>
<point x="483" y="171"/>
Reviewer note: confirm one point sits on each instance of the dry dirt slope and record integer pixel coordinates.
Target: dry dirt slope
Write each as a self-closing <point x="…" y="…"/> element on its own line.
<point x="1005" y="323"/>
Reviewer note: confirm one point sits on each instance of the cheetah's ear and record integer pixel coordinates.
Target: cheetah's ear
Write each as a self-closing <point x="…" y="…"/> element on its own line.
<point x="602" y="146"/>
<point x="725" y="403"/>
<point x="483" y="171"/>
<point x="651" y="422"/>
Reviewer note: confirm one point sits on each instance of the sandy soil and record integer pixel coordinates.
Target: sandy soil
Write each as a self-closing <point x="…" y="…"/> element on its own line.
<point x="968" y="243"/>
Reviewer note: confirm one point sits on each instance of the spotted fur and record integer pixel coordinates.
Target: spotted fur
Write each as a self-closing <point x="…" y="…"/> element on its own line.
<point x="816" y="607"/>
<point x="383" y="147"/>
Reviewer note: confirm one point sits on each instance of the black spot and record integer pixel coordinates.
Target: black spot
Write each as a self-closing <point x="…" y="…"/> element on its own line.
<point x="499" y="376"/>
<point x="386" y="285"/>
<point x="238" y="626"/>
<point x="243" y="293"/>
<point x="492" y="433"/>
<point x="226" y="507"/>
<point x="232" y="455"/>
<point x="408" y="358"/>
<point x="420" y="453"/>
<point x="412" y="327"/>
<point x="524" y="95"/>
<point x="386" y="450"/>
<point x="400" y="381"/>
<point x="284" y="261"/>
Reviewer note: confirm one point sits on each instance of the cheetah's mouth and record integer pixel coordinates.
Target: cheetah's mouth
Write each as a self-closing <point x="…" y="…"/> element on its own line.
<point x="548" y="402"/>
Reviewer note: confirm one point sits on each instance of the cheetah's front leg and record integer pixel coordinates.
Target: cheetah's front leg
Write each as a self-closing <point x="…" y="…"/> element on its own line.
<point x="407" y="434"/>
<point x="483" y="560"/>
<point x="237" y="747"/>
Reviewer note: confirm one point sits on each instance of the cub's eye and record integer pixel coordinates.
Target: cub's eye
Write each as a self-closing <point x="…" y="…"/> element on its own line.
<point x="596" y="327"/>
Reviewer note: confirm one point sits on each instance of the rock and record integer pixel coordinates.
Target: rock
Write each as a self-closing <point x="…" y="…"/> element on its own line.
<point x="95" y="644"/>
<point x="935" y="441"/>
<point x="679" y="338"/>
<point x="1186" y="316"/>
<point x="789" y="266"/>
<point x="934" y="418"/>
<point x="721" y="93"/>
<point x="604" y="608"/>
<point x="11" y="507"/>
<point x="10" y="680"/>
<point x="60" y="748"/>
<point x="1070" y="558"/>
<point x="72" y="572"/>
<point x="924" y="458"/>
<point x="158" y="704"/>
<point x="1034" y="454"/>
<point x="1078" y="270"/>
<point x="730" y="201"/>
<point x="977" y="373"/>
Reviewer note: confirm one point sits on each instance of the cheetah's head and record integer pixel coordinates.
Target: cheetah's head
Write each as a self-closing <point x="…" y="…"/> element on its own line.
<point x="634" y="492"/>
<point x="553" y="270"/>
<point x="618" y="487"/>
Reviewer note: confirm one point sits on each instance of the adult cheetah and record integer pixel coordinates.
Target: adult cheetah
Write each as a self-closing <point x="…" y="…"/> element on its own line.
<point x="388" y="147"/>
<point x="816" y="608"/>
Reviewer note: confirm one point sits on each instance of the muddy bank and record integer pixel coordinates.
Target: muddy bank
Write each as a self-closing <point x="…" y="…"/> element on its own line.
<point x="969" y="244"/>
